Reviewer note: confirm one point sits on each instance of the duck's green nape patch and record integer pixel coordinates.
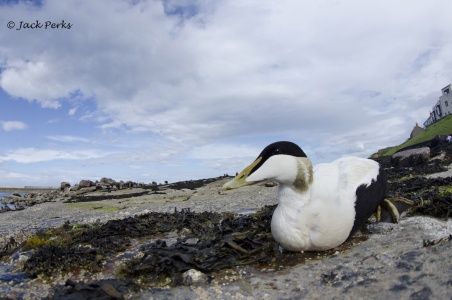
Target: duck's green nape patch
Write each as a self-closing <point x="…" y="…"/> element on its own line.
<point x="94" y="206"/>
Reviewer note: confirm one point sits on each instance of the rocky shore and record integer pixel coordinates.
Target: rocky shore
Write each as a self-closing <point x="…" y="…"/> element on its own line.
<point x="193" y="240"/>
<point x="87" y="190"/>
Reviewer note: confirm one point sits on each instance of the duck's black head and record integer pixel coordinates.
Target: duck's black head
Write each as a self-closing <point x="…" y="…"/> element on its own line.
<point x="278" y="148"/>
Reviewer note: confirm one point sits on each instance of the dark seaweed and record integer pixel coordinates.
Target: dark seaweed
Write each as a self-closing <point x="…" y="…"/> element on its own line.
<point x="223" y="240"/>
<point x="426" y="194"/>
<point x="431" y="196"/>
<point x="109" y="289"/>
<point x="45" y="260"/>
<point x="231" y="241"/>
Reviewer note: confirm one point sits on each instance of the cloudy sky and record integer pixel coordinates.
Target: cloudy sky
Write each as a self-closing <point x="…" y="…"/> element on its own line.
<point x="157" y="90"/>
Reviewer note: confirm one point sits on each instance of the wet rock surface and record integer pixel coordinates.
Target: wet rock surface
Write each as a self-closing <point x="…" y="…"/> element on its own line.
<point x="201" y="242"/>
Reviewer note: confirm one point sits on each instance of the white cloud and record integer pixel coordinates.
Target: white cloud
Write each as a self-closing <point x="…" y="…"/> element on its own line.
<point x="136" y="167"/>
<point x="221" y="151"/>
<point x="18" y="179"/>
<point x="72" y="111"/>
<point x="32" y="80"/>
<point x="195" y="76"/>
<point x="13" y="125"/>
<point x="68" y="138"/>
<point x="32" y="155"/>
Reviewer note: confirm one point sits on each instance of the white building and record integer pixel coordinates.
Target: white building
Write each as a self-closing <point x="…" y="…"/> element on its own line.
<point x="442" y="108"/>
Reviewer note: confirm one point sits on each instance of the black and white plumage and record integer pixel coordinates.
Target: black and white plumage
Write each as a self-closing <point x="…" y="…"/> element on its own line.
<point x="318" y="208"/>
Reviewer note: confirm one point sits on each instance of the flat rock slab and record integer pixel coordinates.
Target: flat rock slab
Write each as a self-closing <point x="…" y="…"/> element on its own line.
<point x="411" y="157"/>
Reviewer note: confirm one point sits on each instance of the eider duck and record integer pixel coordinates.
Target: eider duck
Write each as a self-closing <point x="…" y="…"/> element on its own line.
<point x="318" y="208"/>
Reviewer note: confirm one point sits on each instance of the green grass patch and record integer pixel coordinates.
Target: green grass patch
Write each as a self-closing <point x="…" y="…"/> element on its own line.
<point x="445" y="190"/>
<point x="95" y="206"/>
<point x="442" y="127"/>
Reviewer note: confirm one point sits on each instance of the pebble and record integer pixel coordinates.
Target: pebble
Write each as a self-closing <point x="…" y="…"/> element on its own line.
<point x="194" y="277"/>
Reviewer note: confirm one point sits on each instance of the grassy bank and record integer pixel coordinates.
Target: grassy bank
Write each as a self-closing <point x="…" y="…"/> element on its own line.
<point x="442" y="127"/>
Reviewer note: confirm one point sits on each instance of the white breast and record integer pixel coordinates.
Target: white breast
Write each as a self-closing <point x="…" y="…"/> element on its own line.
<point x="322" y="217"/>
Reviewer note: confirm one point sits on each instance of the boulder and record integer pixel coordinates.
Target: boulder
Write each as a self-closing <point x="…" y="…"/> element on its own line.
<point x="128" y="184"/>
<point x="410" y="157"/>
<point x="64" y="185"/>
<point x="108" y="181"/>
<point x="85" y="184"/>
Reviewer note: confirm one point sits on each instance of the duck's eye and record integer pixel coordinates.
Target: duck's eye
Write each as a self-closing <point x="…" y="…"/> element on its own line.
<point x="276" y="151"/>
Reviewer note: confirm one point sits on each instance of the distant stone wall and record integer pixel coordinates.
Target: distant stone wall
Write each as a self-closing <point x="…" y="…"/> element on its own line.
<point x="26" y="188"/>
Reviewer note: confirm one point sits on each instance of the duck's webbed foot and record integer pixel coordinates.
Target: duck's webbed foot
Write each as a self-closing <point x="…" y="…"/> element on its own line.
<point x="390" y="209"/>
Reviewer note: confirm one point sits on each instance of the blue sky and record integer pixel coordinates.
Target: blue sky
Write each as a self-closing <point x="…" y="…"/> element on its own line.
<point x="177" y="90"/>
